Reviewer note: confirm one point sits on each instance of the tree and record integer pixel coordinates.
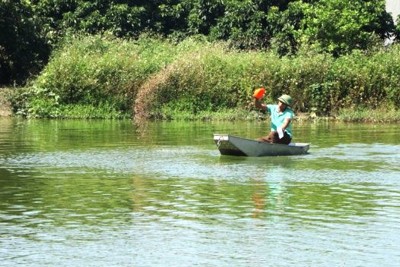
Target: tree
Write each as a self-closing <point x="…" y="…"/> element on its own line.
<point x="339" y="26"/>
<point x="284" y="24"/>
<point x="243" y="23"/>
<point x="23" y="51"/>
<point x="30" y="28"/>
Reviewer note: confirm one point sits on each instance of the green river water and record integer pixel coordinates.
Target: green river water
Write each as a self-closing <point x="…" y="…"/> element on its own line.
<point x="106" y="193"/>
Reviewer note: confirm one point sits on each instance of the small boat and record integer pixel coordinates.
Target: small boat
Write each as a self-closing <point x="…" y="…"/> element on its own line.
<point x="238" y="146"/>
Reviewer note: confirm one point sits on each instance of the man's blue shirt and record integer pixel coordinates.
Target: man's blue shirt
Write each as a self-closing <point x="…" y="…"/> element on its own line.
<point x="278" y="118"/>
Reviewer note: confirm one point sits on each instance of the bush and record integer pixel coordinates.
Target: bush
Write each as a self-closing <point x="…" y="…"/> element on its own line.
<point x="97" y="71"/>
<point x="155" y="78"/>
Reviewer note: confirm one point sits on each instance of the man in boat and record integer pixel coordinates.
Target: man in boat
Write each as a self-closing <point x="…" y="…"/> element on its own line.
<point x="281" y="118"/>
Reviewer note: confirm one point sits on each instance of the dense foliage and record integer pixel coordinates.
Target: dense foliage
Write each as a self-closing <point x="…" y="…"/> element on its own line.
<point x="97" y="76"/>
<point x="30" y="29"/>
<point x="23" y="50"/>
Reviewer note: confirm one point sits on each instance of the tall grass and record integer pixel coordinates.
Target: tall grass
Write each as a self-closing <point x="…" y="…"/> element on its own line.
<point x="94" y="71"/>
<point x="97" y="76"/>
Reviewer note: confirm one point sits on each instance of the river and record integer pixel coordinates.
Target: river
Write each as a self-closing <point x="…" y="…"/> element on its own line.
<point x="107" y="193"/>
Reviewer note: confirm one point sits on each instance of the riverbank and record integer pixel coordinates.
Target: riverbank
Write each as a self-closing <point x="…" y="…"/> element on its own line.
<point x="345" y="115"/>
<point x="97" y="77"/>
<point x="381" y="115"/>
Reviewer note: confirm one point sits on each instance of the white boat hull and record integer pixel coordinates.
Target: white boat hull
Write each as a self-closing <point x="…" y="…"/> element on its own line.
<point x="238" y="146"/>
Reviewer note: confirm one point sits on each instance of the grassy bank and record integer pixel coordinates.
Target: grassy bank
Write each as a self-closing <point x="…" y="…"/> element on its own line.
<point x="100" y="77"/>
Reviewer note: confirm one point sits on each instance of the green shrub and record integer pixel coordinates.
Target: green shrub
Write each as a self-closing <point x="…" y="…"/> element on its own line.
<point x="96" y="71"/>
<point x="156" y="78"/>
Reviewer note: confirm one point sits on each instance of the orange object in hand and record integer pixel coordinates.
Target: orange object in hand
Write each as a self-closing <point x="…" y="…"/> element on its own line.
<point x="259" y="93"/>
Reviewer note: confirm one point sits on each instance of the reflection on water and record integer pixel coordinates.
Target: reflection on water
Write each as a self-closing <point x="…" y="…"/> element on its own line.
<point x="98" y="193"/>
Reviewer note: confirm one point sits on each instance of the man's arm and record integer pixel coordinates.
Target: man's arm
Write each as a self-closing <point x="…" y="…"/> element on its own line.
<point x="259" y="105"/>
<point x="285" y="123"/>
